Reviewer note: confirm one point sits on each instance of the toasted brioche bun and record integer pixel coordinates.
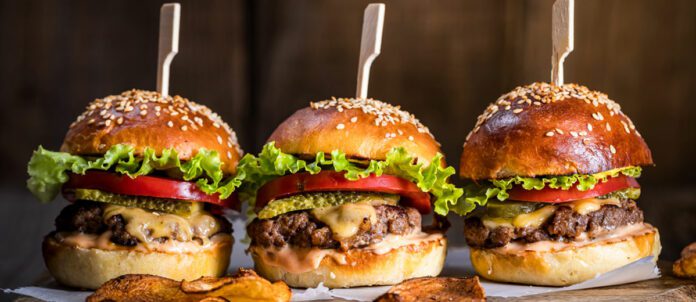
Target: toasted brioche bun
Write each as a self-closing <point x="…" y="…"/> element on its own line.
<point x="543" y="129"/>
<point x="566" y="266"/>
<point x="363" y="129"/>
<point x="363" y="267"/>
<point x="145" y="119"/>
<point x="90" y="267"/>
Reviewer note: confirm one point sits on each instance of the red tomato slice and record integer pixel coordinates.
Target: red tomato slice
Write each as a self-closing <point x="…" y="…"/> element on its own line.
<point x="145" y="186"/>
<point x="559" y="195"/>
<point x="324" y="181"/>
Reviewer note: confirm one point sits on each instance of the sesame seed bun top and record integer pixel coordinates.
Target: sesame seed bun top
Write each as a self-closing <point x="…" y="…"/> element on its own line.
<point x="146" y="119"/>
<point x="543" y="129"/>
<point x="361" y="128"/>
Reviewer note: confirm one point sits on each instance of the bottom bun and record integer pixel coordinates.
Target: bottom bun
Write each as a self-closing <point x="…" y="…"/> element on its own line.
<point x="362" y="267"/>
<point x="89" y="268"/>
<point x="569" y="264"/>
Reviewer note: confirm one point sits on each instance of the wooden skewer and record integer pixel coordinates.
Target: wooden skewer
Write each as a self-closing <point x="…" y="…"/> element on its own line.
<point x="562" y="37"/>
<point x="370" y="45"/>
<point x="168" y="44"/>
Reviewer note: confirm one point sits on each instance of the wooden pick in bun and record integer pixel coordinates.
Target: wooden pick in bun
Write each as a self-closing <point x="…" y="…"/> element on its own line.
<point x="555" y="170"/>
<point x="146" y="178"/>
<point x="340" y="198"/>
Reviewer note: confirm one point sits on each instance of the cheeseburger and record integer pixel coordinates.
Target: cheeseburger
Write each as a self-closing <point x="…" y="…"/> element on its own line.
<point x="339" y="190"/>
<point x="147" y="177"/>
<point x="555" y="170"/>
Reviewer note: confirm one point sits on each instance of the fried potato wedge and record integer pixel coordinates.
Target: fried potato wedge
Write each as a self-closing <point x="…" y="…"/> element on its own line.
<point x="435" y="289"/>
<point x="244" y="286"/>
<point x="685" y="267"/>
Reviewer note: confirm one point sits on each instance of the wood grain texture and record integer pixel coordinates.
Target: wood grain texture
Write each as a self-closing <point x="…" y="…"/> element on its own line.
<point x="257" y="61"/>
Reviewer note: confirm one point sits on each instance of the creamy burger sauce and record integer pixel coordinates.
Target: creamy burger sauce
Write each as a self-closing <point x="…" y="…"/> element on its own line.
<point x="147" y="226"/>
<point x="102" y="242"/>
<point x="299" y="260"/>
<point x="617" y="235"/>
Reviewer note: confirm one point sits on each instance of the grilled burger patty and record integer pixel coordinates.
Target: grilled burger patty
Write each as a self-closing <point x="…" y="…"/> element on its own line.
<point x="302" y="229"/>
<point x="88" y="217"/>
<point x="563" y="225"/>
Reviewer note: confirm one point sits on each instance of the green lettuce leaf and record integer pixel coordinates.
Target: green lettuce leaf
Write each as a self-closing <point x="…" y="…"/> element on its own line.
<point x="271" y="163"/>
<point x="478" y="195"/>
<point x="48" y="170"/>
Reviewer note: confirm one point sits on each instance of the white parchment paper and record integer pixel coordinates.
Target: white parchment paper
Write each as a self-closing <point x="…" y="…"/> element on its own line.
<point x="457" y="264"/>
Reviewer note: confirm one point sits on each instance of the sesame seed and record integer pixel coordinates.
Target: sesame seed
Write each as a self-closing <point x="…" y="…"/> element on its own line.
<point x="143" y="113"/>
<point x="340" y="126"/>
<point x="229" y="144"/>
<point x="518" y="110"/>
<point x="185" y="117"/>
<point x="559" y="131"/>
<point x="229" y="155"/>
<point x="582" y="133"/>
<point x="119" y="120"/>
<point x="608" y="127"/>
<point x="354" y="119"/>
<point x="574" y="134"/>
<point x="219" y="139"/>
<point x="626" y="127"/>
<point x="216" y="125"/>
<point x="107" y="123"/>
<point x="158" y="108"/>
<point x="174" y="113"/>
<point x="589" y="127"/>
<point x="410" y="137"/>
<point x="90" y="121"/>
<point x="143" y="107"/>
<point x="170" y="124"/>
<point x="612" y="149"/>
<point x="550" y="133"/>
<point x="507" y="107"/>
<point x="184" y="128"/>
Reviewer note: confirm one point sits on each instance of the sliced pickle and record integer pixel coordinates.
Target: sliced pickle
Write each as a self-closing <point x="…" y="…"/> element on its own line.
<point x="510" y="209"/>
<point x="628" y="193"/>
<point x="172" y="206"/>
<point x="323" y="199"/>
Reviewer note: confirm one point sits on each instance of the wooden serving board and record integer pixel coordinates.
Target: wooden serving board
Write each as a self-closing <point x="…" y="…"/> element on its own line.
<point x="666" y="288"/>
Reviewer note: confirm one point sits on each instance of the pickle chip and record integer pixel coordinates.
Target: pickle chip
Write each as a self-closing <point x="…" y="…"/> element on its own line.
<point x="172" y="206"/>
<point x="323" y="199"/>
<point x="510" y="209"/>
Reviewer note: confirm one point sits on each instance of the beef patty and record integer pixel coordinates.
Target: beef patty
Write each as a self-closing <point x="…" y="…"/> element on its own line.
<point x="301" y="229"/>
<point x="88" y="217"/>
<point x="563" y="225"/>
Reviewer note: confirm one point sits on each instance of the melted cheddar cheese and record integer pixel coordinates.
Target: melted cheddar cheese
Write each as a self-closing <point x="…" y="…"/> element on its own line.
<point x="147" y="226"/>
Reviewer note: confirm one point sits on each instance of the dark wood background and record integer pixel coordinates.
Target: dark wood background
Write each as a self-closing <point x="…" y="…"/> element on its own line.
<point x="257" y="61"/>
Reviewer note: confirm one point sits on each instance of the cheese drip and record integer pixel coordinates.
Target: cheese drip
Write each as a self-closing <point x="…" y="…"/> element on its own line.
<point x="147" y="226"/>
<point x="537" y="218"/>
<point x="345" y="220"/>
